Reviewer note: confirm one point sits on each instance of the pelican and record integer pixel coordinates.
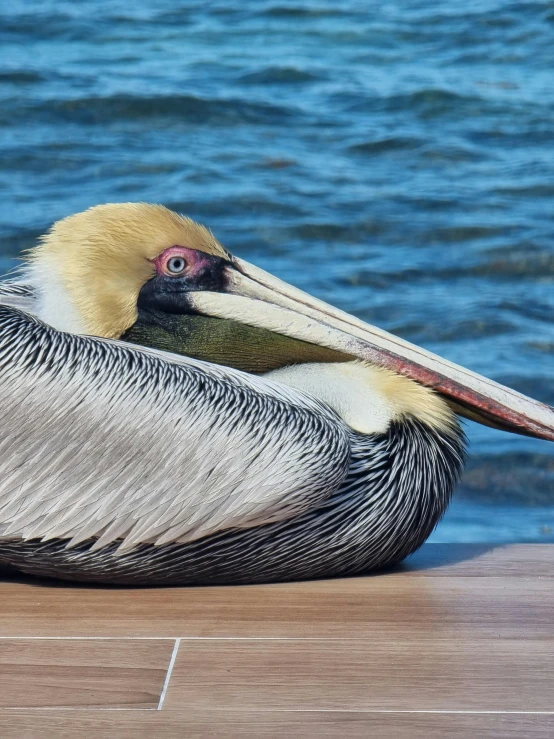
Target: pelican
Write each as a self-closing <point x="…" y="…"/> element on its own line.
<point x="172" y="414"/>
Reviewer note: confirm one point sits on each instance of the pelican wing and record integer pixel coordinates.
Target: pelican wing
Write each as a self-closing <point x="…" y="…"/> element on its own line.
<point x="18" y="294"/>
<point x="106" y="440"/>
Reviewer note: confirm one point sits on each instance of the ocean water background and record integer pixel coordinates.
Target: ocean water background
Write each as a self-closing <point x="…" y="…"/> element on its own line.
<point x="395" y="159"/>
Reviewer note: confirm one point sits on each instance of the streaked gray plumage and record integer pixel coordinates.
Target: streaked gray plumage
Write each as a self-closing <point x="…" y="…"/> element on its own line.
<point x="247" y="451"/>
<point x="274" y="484"/>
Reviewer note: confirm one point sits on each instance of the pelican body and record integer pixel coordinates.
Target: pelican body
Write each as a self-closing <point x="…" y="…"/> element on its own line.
<point x="174" y="415"/>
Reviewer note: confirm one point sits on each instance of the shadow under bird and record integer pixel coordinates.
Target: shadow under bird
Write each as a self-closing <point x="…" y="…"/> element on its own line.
<point x="173" y="414"/>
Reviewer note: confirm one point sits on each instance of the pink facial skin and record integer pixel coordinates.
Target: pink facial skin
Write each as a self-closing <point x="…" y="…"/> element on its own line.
<point x="195" y="261"/>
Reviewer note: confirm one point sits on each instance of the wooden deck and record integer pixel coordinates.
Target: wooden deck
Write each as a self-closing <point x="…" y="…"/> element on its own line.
<point x="458" y="643"/>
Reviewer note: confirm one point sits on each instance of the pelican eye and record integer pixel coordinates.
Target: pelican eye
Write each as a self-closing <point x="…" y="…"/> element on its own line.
<point x="176" y="265"/>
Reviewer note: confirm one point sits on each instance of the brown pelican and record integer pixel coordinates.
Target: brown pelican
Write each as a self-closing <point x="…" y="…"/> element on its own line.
<point x="172" y="414"/>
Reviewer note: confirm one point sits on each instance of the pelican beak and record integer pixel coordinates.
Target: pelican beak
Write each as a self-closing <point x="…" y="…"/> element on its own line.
<point x="256" y="298"/>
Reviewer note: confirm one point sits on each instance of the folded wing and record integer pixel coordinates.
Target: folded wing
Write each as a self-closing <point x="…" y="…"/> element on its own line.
<point x="104" y="440"/>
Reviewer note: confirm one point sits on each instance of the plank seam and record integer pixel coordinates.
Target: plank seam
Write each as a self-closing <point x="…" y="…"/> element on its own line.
<point x="168" y="674"/>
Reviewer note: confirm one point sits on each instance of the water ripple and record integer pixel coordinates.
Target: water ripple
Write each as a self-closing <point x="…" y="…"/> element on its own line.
<point x="182" y="108"/>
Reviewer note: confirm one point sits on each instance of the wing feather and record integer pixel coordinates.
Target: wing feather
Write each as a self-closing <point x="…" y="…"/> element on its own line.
<point x="18" y="294"/>
<point x="104" y="440"/>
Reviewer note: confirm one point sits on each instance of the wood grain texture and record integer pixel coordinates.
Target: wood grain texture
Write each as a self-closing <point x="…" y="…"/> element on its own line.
<point x="193" y="724"/>
<point x="490" y="604"/>
<point x="408" y="674"/>
<point x="428" y="650"/>
<point x="482" y="560"/>
<point x="58" y="673"/>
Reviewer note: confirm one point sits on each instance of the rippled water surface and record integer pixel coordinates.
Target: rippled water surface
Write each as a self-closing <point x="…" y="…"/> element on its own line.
<point x="395" y="159"/>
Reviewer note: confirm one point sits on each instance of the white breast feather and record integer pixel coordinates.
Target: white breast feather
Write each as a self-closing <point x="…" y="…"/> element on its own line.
<point x="53" y="304"/>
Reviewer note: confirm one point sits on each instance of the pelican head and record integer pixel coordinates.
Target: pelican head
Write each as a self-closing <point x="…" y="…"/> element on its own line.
<point x="144" y="274"/>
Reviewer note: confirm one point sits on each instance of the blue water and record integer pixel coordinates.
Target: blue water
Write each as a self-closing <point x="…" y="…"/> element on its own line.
<point x="395" y="159"/>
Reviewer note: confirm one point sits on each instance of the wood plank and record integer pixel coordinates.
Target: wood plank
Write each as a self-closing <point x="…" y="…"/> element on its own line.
<point x="194" y="724"/>
<point x="482" y="560"/>
<point x="469" y="628"/>
<point x="386" y="605"/>
<point x="83" y="673"/>
<point x="407" y="674"/>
